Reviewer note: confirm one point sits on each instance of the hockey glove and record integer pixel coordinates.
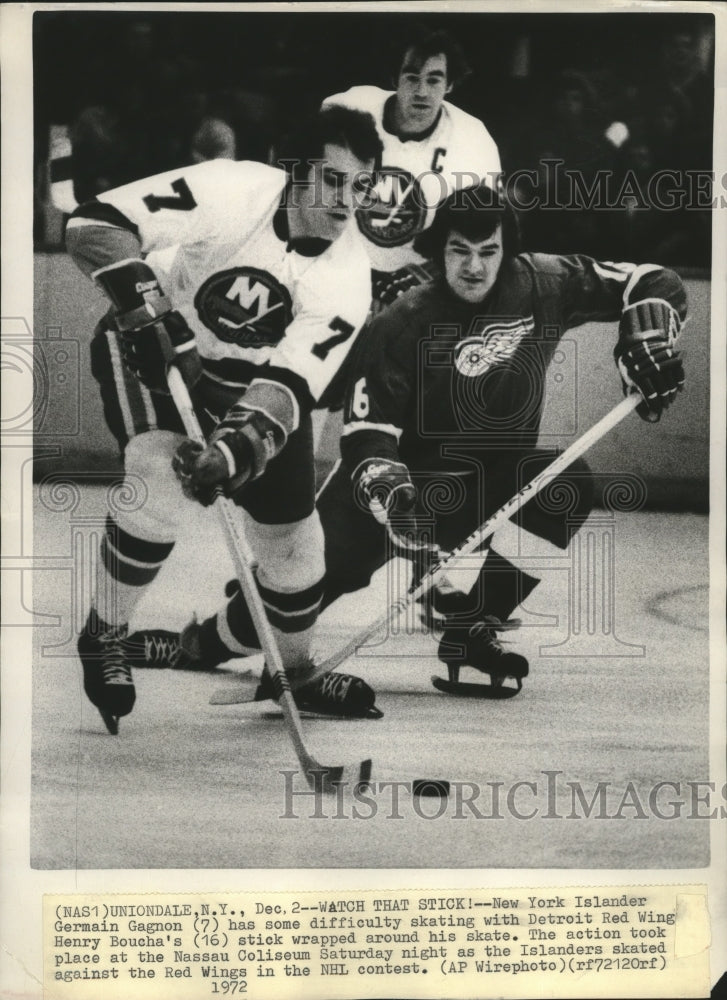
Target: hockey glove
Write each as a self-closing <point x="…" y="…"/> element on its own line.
<point x="200" y="471"/>
<point x="646" y="357"/>
<point x="238" y="451"/>
<point x="151" y="334"/>
<point x="385" y="487"/>
<point x="387" y="286"/>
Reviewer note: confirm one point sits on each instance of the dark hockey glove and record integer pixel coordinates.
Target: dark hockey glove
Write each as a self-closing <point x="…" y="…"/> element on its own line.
<point x="385" y="487"/>
<point x="646" y="357"/>
<point x="387" y="286"/>
<point x="238" y="451"/>
<point x="200" y="470"/>
<point x="151" y="334"/>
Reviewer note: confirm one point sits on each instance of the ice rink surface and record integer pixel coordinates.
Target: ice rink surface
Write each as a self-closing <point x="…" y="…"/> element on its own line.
<point x="617" y="700"/>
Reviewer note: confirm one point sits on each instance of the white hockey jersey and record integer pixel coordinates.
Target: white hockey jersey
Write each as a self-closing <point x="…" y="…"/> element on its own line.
<point x="216" y="236"/>
<point x="417" y="174"/>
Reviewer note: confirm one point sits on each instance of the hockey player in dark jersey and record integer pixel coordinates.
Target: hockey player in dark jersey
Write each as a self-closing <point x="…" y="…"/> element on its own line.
<point x="450" y="392"/>
<point x="452" y="389"/>
<point x="256" y="282"/>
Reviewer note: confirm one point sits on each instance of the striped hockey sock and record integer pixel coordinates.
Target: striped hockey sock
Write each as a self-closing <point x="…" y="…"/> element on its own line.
<point x="126" y="566"/>
<point x="231" y="632"/>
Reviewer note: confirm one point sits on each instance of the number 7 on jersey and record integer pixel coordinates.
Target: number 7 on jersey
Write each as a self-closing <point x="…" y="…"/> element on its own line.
<point x="345" y="329"/>
<point x="181" y="201"/>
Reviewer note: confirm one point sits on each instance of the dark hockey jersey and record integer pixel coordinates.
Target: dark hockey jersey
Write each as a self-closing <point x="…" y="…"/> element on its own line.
<point x="436" y="377"/>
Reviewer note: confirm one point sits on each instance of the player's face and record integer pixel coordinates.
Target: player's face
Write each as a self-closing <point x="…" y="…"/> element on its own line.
<point x="471" y="268"/>
<point x="421" y="88"/>
<point x="328" y="200"/>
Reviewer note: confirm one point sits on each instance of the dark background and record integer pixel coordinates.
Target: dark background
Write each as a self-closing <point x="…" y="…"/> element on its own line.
<point x="136" y="90"/>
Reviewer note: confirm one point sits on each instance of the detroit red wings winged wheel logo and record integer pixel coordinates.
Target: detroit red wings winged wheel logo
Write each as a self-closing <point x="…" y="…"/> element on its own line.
<point x="396" y="210"/>
<point x="244" y="306"/>
<point x="495" y="343"/>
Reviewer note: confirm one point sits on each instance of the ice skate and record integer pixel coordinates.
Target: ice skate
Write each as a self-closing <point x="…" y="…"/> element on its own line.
<point x="479" y="646"/>
<point x="334" y="695"/>
<point x="163" y="649"/>
<point x="107" y="676"/>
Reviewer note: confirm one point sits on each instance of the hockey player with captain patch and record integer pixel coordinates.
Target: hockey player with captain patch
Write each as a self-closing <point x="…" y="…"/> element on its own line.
<point x="448" y="397"/>
<point x="430" y="148"/>
<point x="255" y="283"/>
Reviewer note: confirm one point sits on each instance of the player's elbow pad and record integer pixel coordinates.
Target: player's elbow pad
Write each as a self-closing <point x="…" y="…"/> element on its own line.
<point x="92" y="247"/>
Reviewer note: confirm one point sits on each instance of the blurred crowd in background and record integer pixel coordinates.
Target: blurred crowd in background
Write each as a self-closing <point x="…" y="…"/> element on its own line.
<point x="620" y="97"/>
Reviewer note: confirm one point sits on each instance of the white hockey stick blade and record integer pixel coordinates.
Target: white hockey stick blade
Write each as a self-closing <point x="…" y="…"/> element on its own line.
<point x="240" y="690"/>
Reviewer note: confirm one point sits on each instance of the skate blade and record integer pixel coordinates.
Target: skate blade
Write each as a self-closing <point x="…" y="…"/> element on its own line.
<point x="277" y="713"/>
<point x="111" y="722"/>
<point x="491" y="692"/>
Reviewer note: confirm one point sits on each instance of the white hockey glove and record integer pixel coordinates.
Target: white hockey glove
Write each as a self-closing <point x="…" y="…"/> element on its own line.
<point x="646" y="356"/>
<point x="151" y="334"/>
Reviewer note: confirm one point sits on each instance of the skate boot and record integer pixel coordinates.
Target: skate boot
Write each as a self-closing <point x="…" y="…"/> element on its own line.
<point x="158" y="648"/>
<point x="106" y="672"/>
<point x="479" y="646"/>
<point x="334" y="695"/>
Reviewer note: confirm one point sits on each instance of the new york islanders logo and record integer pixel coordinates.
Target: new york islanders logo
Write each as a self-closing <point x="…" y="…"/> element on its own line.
<point x="244" y="306"/>
<point x="495" y="343"/>
<point x="396" y="211"/>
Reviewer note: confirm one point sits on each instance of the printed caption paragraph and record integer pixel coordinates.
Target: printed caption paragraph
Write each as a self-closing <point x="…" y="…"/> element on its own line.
<point x="645" y="940"/>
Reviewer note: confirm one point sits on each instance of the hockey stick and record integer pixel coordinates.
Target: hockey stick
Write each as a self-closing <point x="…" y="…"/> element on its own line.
<point x="316" y="774"/>
<point x="474" y="541"/>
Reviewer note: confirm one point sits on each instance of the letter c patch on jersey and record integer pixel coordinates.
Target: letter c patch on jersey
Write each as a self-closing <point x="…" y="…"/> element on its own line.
<point x="397" y="211"/>
<point x="244" y="306"/>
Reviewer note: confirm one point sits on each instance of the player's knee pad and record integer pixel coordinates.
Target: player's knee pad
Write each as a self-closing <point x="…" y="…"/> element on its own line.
<point x="149" y="477"/>
<point x="290" y="555"/>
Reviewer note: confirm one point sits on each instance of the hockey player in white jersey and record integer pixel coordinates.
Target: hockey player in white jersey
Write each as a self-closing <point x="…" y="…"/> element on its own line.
<point x="431" y="148"/>
<point x="256" y="279"/>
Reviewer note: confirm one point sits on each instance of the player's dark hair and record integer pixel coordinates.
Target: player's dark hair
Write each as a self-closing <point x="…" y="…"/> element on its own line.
<point x="423" y="43"/>
<point x="475" y="213"/>
<point x="355" y="130"/>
